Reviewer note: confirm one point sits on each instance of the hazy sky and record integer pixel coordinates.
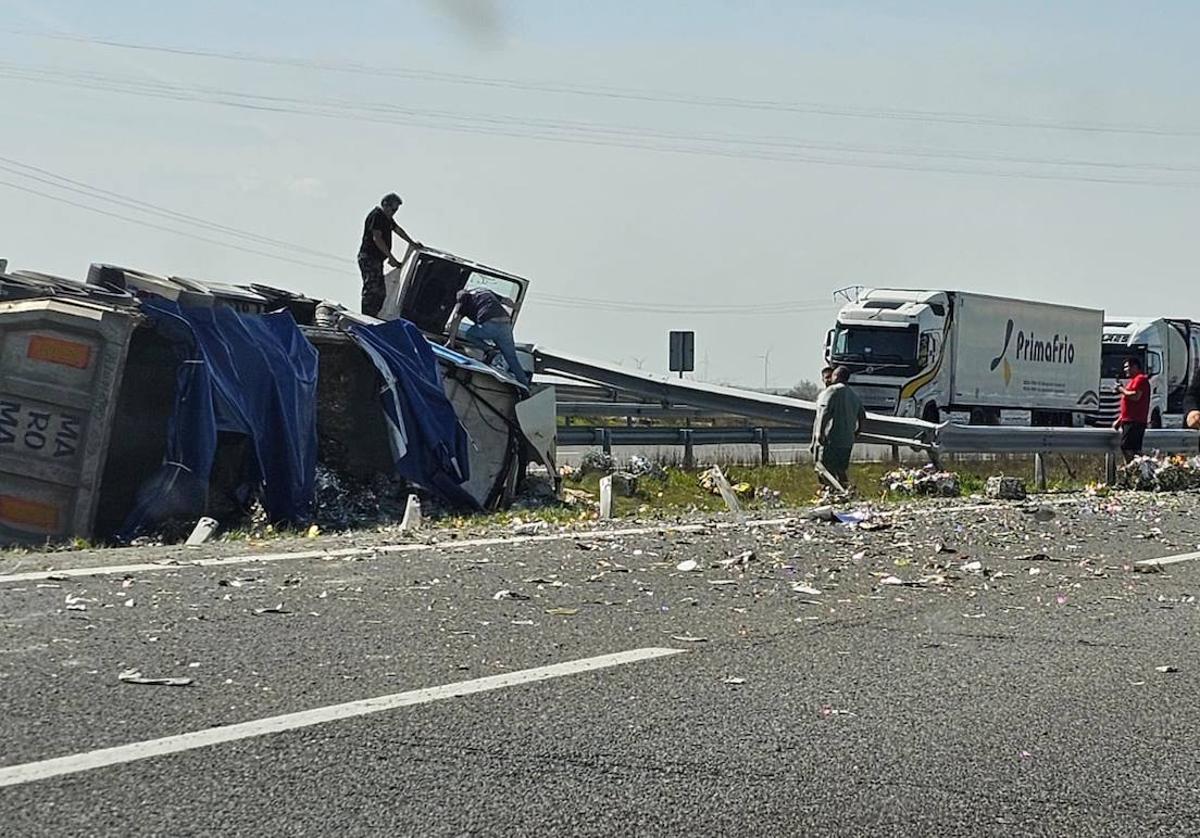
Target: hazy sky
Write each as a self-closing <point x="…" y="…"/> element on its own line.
<point x="689" y="156"/>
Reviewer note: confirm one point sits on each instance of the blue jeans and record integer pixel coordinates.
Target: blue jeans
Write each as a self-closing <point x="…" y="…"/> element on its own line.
<point x="500" y="333"/>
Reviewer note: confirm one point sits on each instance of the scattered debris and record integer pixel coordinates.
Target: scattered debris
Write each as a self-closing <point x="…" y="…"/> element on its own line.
<point x="274" y="609"/>
<point x="562" y="612"/>
<point x="412" y="514"/>
<point x="801" y="588"/>
<point x="520" y="527"/>
<point x="714" y="481"/>
<point x="741" y="560"/>
<point x="927" y="480"/>
<point x="640" y="466"/>
<point x="596" y="462"/>
<point x="1166" y="670"/>
<point x="1160" y="473"/>
<point x="205" y="527"/>
<point x="134" y="676"/>
<point x="733" y="682"/>
<point x="687" y="565"/>
<point x="506" y="594"/>
<point x="625" y="485"/>
<point x="687" y="638"/>
<point x="1000" y="487"/>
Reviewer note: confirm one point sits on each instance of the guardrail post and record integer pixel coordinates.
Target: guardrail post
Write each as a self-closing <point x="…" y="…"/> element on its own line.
<point x="1039" y="471"/>
<point x="689" y="453"/>
<point x="764" y="441"/>
<point x="1110" y="468"/>
<point x="895" y="453"/>
<point x="606" y="441"/>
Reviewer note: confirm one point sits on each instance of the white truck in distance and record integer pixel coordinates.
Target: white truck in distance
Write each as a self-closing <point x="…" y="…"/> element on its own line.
<point x="1169" y="349"/>
<point x="969" y="357"/>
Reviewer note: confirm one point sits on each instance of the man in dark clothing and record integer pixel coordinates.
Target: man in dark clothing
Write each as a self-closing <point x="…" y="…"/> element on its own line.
<point x="1135" y="409"/>
<point x="376" y="247"/>
<point x="490" y="313"/>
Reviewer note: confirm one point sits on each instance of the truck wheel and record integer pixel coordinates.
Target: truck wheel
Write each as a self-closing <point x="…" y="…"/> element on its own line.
<point x="1156" y="420"/>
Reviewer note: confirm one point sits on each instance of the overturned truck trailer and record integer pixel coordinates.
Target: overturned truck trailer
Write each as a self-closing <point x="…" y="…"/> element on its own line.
<point x="97" y="397"/>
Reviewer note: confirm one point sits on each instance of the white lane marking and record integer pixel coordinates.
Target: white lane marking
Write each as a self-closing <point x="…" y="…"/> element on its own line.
<point x="33" y="771"/>
<point x="346" y="552"/>
<point x="349" y="552"/>
<point x="1166" y="560"/>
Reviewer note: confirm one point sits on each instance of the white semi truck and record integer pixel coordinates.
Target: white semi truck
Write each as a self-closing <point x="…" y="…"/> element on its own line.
<point x="938" y="355"/>
<point x="1169" y="349"/>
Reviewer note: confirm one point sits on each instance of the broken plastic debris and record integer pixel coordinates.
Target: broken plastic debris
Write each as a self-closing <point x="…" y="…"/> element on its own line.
<point x="506" y="594"/>
<point x="687" y="565"/>
<point x="733" y="682"/>
<point x="1166" y="669"/>
<point x="202" y="532"/>
<point x="530" y="527"/>
<point x="563" y="612"/>
<point x="854" y="518"/>
<point x="972" y="567"/>
<point x="412" y="514"/>
<point x="134" y="676"/>
<point x="687" y="638"/>
<point x="274" y="609"/>
<point x="801" y="588"/>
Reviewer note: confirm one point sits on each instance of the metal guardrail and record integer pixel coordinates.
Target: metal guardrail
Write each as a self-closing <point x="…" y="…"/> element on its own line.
<point x="950" y="439"/>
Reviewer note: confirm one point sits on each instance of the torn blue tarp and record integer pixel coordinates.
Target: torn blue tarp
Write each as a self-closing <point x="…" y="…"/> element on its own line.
<point x="429" y="444"/>
<point x="254" y="375"/>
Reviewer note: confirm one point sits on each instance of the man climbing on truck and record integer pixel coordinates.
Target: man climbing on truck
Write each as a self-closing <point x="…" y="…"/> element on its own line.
<point x="376" y="247"/>
<point x="491" y="314"/>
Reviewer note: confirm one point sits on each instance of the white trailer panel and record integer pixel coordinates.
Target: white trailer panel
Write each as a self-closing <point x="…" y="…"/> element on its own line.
<point x="1022" y="354"/>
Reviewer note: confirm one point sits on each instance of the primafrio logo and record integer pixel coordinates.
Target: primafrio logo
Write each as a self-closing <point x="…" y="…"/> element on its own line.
<point x="1055" y="350"/>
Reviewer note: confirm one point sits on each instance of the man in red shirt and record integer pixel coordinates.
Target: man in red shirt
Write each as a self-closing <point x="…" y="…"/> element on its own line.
<point x="1135" y="409"/>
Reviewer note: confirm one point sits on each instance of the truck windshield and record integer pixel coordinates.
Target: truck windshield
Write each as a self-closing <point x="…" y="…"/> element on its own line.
<point x="874" y="344"/>
<point x="1112" y="360"/>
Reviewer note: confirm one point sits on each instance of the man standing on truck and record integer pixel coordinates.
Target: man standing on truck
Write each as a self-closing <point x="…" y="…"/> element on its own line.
<point x="375" y="248"/>
<point x="1135" y="408"/>
<point x="839" y="418"/>
<point x="491" y="314"/>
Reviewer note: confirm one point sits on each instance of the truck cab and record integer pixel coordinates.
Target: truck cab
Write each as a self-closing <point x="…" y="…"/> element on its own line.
<point x="1169" y="351"/>
<point x="892" y="341"/>
<point x="423" y="291"/>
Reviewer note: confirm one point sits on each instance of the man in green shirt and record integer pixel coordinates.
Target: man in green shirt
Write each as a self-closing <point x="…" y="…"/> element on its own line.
<point x="840" y="415"/>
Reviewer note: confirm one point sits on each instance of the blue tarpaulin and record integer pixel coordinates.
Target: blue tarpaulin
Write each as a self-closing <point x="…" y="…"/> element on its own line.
<point x="254" y="375"/>
<point x="429" y="444"/>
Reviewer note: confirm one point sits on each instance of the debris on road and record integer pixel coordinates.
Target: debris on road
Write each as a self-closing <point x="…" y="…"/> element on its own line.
<point x="203" y="531"/>
<point x="134" y="676"/>
<point x="1165" y="670"/>
<point x="687" y="566"/>
<point x="1000" y="487"/>
<point x="687" y="638"/>
<point x="274" y="609"/>
<point x="506" y="594"/>
<point x="733" y="682"/>
<point x="928" y="481"/>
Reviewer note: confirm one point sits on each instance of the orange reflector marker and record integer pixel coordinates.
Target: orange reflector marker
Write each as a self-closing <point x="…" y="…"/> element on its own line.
<point x="69" y="353"/>
<point x="28" y="513"/>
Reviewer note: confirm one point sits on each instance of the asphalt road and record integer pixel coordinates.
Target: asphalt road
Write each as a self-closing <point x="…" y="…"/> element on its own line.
<point x="813" y="695"/>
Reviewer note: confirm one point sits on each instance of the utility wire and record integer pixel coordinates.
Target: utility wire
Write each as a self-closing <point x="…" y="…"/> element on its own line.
<point x="465" y="126"/>
<point x="631" y="94"/>
<point x="376" y="111"/>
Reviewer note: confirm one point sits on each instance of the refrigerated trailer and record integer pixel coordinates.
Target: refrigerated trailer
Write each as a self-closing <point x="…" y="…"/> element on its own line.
<point x="937" y="355"/>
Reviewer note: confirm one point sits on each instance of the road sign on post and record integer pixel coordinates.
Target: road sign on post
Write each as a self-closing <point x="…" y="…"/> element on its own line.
<point x="683" y="352"/>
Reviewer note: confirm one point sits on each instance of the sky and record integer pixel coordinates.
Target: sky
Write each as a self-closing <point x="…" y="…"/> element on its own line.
<point x="710" y="165"/>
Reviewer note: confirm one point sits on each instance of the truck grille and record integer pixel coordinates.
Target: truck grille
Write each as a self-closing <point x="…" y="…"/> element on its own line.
<point x="877" y="399"/>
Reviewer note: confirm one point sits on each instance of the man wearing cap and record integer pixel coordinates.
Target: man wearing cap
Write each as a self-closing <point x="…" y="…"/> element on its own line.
<point x="376" y="247"/>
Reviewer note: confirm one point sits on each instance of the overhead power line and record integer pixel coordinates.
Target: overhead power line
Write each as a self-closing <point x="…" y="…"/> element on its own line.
<point x="630" y="94"/>
<point x="84" y="190"/>
<point x="733" y="147"/>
